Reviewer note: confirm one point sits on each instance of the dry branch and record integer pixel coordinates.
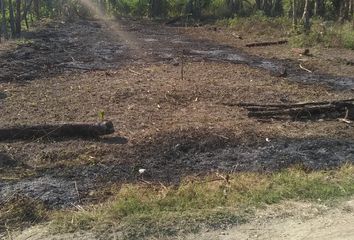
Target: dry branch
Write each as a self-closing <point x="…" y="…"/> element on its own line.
<point x="64" y="130"/>
<point x="303" y="68"/>
<point x="263" y="44"/>
<point x="302" y="111"/>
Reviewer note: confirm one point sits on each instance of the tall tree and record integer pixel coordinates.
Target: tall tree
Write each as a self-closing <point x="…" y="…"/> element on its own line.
<point x="306" y="16"/>
<point x="18" y="18"/>
<point x="294" y="14"/>
<point x="12" y="19"/>
<point x="156" y="8"/>
<point x="3" y="18"/>
<point x="319" y="8"/>
<point x="36" y="9"/>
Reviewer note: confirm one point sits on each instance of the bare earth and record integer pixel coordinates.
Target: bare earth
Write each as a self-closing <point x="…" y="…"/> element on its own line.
<point x="299" y="222"/>
<point x="171" y="126"/>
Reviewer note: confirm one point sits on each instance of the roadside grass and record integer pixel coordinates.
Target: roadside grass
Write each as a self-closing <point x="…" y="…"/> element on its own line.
<point x="140" y="211"/>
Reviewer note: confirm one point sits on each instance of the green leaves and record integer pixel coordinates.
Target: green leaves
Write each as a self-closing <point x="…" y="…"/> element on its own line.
<point x="101" y="115"/>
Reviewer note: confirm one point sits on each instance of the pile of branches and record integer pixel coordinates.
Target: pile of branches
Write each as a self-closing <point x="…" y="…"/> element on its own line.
<point x="327" y="110"/>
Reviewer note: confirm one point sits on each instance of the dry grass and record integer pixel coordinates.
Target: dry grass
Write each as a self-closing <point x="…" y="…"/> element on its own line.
<point x="213" y="202"/>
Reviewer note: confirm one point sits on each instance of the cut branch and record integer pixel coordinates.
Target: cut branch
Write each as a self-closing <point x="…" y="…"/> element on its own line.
<point x="65" y="130"/>
<point x="301" y="111"/>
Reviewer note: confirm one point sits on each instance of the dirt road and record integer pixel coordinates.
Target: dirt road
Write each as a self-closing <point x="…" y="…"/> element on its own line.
<point x="300" y="222"/>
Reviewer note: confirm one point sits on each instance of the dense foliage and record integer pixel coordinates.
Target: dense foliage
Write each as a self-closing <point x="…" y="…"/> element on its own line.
<point x="16" y="13"/>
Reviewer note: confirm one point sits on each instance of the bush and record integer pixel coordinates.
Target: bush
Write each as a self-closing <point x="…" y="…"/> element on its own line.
<point x="328" y="34"/>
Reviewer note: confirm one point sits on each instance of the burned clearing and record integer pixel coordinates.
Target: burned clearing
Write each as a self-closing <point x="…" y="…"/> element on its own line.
<point x="172" y="126"/>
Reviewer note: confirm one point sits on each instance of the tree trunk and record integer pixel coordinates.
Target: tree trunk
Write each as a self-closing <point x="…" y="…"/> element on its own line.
<point x="294" y="14"/>
<point x="277" y="8"/>
<point x="302" y="111"/>
<point x="306" y="17"/>
<point x="319" y="9"/>
<point x="12" y="19"/>
<point x="36" y="9"/>
<point x="18" y="18"/>
<point x="155" y="6"/>
<point x="343" y="13"/>
<point x="3" y="22"/>
<point x="26" y="10"/>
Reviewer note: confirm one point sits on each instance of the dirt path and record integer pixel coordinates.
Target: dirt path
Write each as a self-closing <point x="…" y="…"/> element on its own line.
<point x="171" y="126"/>
<point x="298" y="223"/>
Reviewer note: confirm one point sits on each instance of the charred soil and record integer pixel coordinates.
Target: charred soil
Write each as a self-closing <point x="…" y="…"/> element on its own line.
<point x="170" y="125"/>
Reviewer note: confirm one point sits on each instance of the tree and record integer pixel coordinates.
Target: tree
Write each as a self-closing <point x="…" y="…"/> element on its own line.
<point x="157" y="8"/>
<point x="294" y="14"/>
<point x="319" y="8"/>
<point x="36" y="9"/>
<point x="306" y="16"/>
<point x="18" y="18"/>
<point x="12" y="19"/>
<point x="3" y="19"/>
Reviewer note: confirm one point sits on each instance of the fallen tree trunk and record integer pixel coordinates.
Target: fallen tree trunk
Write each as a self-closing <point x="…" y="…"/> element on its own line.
<point x="301" y="111"/>
<point x="65" y="130"/>
<point x="262" y="44"/>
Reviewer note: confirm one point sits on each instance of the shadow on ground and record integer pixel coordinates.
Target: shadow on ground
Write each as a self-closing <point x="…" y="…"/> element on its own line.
<point x="170" y="159"/>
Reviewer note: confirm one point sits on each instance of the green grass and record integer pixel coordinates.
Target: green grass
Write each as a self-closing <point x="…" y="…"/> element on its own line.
<point x="259" y="25"/>
<point x="327" y="35"/>
<point x="140" y="211"/>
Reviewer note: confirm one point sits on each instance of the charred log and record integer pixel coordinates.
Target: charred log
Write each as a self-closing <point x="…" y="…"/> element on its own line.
<point x="65" y="130"/>
<point x="263" y="44"/>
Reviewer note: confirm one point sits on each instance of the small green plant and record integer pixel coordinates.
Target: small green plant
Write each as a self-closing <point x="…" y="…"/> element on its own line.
<point x="101" y="115"/>
<point x="24" y="41"/>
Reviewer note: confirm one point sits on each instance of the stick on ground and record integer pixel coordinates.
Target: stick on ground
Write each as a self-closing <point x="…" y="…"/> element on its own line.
<point x="263" y="44"/>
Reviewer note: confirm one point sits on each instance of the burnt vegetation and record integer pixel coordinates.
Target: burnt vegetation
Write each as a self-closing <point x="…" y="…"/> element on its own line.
<point x="189" y="111"/>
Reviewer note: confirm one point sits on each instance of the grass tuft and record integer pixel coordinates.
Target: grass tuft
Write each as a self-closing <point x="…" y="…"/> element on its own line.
<point x="20" y="212"/>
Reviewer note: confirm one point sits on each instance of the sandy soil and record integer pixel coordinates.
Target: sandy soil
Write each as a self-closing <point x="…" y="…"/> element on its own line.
<point x="299" y="221"/>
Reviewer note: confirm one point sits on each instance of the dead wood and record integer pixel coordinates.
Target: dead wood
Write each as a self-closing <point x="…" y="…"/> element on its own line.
<point x="302" y="104"/>
<point x="263" y="44"/>
<point x="64" y="130"/>
<point x="301" y="111"/>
